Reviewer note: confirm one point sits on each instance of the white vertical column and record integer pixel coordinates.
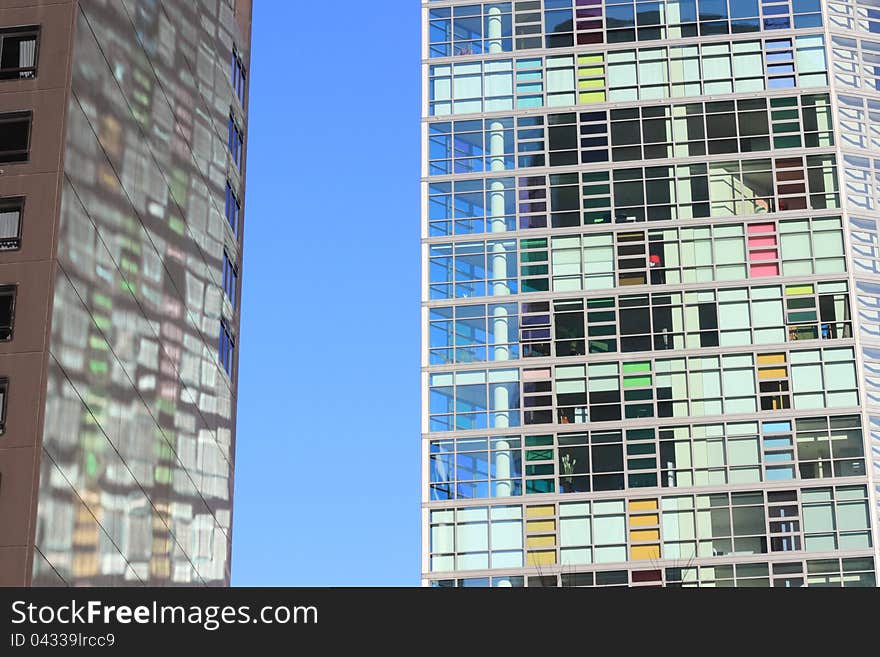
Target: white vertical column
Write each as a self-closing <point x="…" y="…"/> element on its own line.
<point x="498" y="267"/>
<point x="500" y="287"/>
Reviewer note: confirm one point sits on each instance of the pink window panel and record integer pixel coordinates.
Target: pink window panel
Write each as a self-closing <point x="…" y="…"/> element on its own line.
<point x="771" y="269"/>
<point x="766" y="240"/>
<point x="536" y="375"/>
<point x="761" y="228"/>
<point x="764" y="254"/>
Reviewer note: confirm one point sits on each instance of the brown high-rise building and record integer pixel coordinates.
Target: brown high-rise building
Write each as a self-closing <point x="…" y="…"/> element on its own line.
<point x="122" y="150"/>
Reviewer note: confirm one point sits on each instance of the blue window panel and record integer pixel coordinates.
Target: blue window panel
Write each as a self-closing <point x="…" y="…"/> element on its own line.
<point x="780" y="473"/>
<point x="776" y="427"/>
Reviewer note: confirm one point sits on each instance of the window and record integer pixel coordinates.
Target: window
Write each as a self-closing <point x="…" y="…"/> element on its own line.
<point x="233" y="208"/>
<point x="4" y="391"/>
<point x="15" y="134"/>
<point x="477" y="538"/>
<point x="239" y="76"/>
<point x="230" y="278"/>
<point x="7" y="311"/>
<point x="18" y="53"/>
<point x="470" y="30"/>
<point x="10" y="223"/>
<point x="697" y="386"/>
<point x="227" y="347"/>
<point x="475" y="399"/>
<point x="235" y="141"/>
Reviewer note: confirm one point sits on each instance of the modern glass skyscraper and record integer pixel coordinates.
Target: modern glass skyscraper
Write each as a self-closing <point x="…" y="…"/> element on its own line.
<point x="122" y="136"/>
<point x="651" y="293"/>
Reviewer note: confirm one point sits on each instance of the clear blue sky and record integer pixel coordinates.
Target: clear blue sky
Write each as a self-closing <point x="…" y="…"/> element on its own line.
<point x="327" y="458"/>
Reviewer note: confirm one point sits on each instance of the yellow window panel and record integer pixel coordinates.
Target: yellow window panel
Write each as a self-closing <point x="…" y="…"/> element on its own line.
<point x="539" y="526"/>
<point x="644" y="521"/>
<point x="547" y="558"/>
<point x="770" y="359"/>
<point x="644" y="535"/>
<point x="643" y="505"/>
<point x="541" y="541"/>
<point x="540" y="511"/>
<point x="775" y="373"/>
<point x="592" y="84"/>
<point x="632" y="279"/>
<point x="639" y="552"/>
<point x="591" y="71"/>
<point x="588" y="98"/>
<point x="798" y="289"/>
<point x="590" y="59"/>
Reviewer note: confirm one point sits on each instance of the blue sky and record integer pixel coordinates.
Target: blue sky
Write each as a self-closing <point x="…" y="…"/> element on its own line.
<point x="327" y="458"/>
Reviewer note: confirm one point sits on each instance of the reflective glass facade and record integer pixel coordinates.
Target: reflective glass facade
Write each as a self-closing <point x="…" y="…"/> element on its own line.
<point x="650" y="287"/>
<point x="134" y="388"/>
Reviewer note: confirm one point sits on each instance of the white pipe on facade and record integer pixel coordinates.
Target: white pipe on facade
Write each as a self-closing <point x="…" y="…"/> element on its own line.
<point x="498" y="269"/>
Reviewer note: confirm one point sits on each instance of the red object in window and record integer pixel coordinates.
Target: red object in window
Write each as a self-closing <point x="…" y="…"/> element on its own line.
<point x="654" y="260"/>
<point x="647" y="576"/>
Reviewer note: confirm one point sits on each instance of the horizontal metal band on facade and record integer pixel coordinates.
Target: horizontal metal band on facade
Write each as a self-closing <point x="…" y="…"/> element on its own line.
<point x="593" y="167"/>
<point x="650" y="564"/>
<point x="613" y="357"/>
<point x="635" y="226"/>
<point x="640" y="423"/>
<point x="612" y="105"/>
<point x="628" y="227"/>
<point x="647" y="492"/>
<point x="641" y="290"/>
<point x="651" y="44"/>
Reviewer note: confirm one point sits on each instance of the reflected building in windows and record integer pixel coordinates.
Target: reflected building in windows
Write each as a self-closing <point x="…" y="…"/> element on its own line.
<point x="651" y="280"/>
<point x="122" y="172"/>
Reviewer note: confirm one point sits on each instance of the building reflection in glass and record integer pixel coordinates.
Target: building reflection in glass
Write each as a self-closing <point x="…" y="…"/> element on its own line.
<point x="135" y="482"/>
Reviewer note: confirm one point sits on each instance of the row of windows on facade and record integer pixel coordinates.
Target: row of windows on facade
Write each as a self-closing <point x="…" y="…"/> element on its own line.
<point x="673" y="527"/>
<point x="598" y="392"/>
<point x="847" y="572"/>
<point x="235" y="144"/>
<point x="570" y="327"/>
<point x="697" y="190"/>
<point x="606" y="260"/>
<point x="503" y="26"/>
<point x="628" y="75"/>
<point x="673" y="456"/>
<point x="653" y="133"/>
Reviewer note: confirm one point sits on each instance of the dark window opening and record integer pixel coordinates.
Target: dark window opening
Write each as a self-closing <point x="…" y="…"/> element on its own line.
<point x="663" y="326"/>
<point x="233" y="209"/>
<point x="18" y="53"/>
<point x="4" y="393"/>
<point x="239" y="75"/>
<point x="543" y="581"/>
<point x="235" y="141"/>
<point x="570" y="331"/>
<point x="10" y="223"/>
<point x="7" y="311"/>
<point x="15" y="136"/>
<point x="774" y="402"/>
<point x="227" y="348"/>
<point x="230" y="278"/>
<point x="708" y="315"/>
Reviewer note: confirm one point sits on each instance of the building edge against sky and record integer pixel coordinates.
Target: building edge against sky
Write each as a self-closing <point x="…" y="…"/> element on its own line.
<point x="650" y="291"/>
<point x="122" y="173"/>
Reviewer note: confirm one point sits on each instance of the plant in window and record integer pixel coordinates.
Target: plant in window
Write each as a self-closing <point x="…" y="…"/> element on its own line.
<point x="568" y="464"/>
